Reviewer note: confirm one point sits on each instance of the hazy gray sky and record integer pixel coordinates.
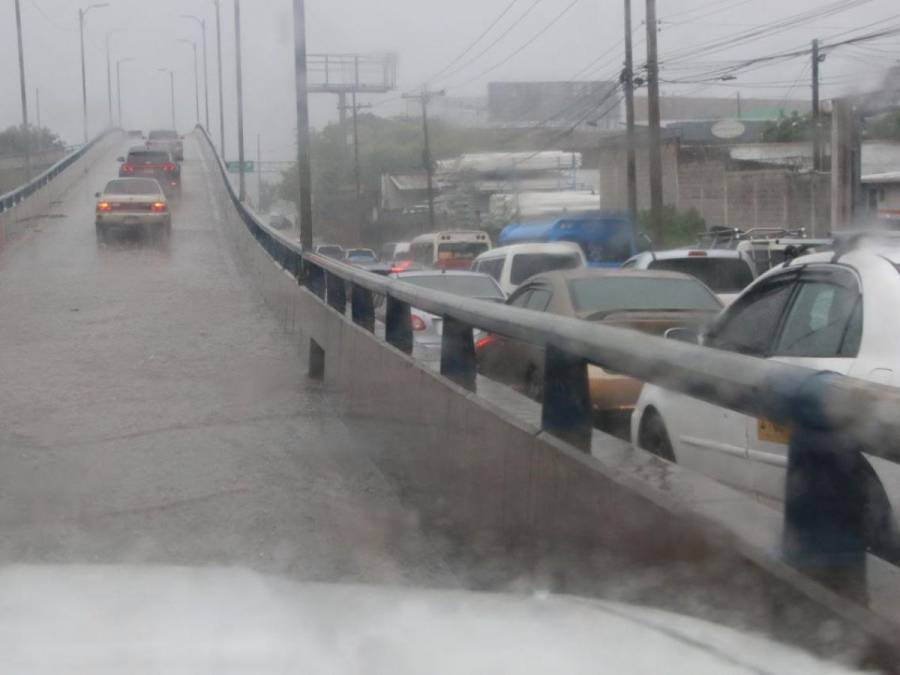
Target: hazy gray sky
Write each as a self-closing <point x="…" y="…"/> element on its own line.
<point x="425" y="34"/>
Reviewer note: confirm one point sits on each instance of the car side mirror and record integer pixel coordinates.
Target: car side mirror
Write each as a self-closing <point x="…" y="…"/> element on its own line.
<point x="120" y="160"/>
<point x="688" y="335"/>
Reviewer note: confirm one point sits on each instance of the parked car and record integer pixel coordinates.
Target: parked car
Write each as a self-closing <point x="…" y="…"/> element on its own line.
<point x="727" y="272"/>
<point x="133" y="204"/>
<point x="157" y="164"/>
<point x="428" y="328"/>
<point x="330" y="251"/>
<point x="166" y="139"/>
<point x="651" y="302"/>
<point x="513" y="265"/>
<point x="828" y="312"/>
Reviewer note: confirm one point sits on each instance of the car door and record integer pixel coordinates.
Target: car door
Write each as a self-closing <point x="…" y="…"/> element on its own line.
<point x="821" y="330"/>
<point x="711" y="439"/>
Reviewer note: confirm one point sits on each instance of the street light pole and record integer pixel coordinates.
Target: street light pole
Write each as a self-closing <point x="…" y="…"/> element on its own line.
<point x="172" y="88"/>
<point x="196" y="79"/>
<point x="303" y="140"/>
<point x="221" y="90"/>
<point x="109" y="95"/>
<point x="25" y="131"/>
<point x="242" y="183"/>
<point x="82" y="13"/>
<point x="202" y="23"/>
<point x="119" y="85"/>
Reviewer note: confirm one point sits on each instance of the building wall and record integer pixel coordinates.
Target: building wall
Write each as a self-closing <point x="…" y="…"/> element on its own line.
<point x="613" y="185"/>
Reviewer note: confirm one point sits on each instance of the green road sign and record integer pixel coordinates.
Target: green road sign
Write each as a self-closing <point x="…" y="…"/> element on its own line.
<point x="235" y="167"/>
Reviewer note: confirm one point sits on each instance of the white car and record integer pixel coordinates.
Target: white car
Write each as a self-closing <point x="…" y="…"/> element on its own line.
<point x="133" y="204"/>
<point x="512" y="265"/>
<point x="828" y="312"/>
<point x="725" y="271"/>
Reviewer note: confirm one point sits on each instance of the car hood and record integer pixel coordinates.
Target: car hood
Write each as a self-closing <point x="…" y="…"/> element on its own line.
<point x="179" y="620"/>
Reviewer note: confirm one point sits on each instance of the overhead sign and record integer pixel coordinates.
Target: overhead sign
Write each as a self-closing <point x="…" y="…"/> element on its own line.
<point x="235" y="167"/>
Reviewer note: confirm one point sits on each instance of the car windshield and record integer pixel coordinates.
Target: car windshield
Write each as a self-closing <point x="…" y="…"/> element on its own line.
<point x="148" y="157"/>
<point x="525" y="265"/>
<point x="133" y="187"/>
<point x="470" y="286"/>
<point x="611" y="294"/>
<point x="361" y="255"/>
<point x="722" y="275"/>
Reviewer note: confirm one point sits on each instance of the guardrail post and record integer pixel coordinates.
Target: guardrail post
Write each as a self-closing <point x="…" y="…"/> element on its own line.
<point x="566" y="410"/>
<point x="398" y="325"/>
<point x="362" y="307"/>
<point x="458" y="353"/>
<point x="336" y="289"/>
<point x="315" y="279"/>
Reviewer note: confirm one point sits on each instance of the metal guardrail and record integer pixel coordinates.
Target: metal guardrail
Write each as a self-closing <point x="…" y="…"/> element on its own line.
<point x="833" y="418"/>
<point x="20" y="194"/>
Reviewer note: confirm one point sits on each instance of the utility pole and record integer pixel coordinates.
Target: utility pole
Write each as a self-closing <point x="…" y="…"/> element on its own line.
<point x="817" y="138"/>
<point x="202" y="23"/>
<point x="221" y="90"/>
<point x="172" y="92"/>
<point x="109" y="95"/>
<point x="425" y="98"/>
<point x="82" y="14"/>
<point x="259" y="187"/>
<point x="739" y="106"/>
<point x="196" y="79"/>
<point x="25" y="129"/>
<point x="656" y="183"/>
<point x="303" y="140"/>
<point x="240" y="100"/>
<point x="119" y="86"/>
<point x="628" y="83"/>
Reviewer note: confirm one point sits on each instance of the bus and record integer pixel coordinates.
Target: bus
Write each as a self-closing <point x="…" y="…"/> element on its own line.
<point x="451" y="250"/>
<point x="607" y="239"/>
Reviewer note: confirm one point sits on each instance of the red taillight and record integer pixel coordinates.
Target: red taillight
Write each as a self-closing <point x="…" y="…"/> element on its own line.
<point x="159" y="207"/>
<point x="417" y="323"/>
<point x="401" y="266"/>
<point x="486" y="341"/>
<point x="697" y="254"/>
<point x="127" y="168"/>
<point x="169" y="168"/>
<point x="103" y="207"/>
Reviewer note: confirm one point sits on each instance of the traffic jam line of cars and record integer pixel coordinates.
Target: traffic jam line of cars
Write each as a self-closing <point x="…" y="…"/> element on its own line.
<point x="140" y="200"/>
<point x="826" y="310"/>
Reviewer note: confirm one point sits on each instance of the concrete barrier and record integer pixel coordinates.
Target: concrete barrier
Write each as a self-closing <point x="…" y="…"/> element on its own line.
<point x="619" y="524"/>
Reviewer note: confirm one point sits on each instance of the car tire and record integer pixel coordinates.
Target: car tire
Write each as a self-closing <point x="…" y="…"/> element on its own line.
<point x="654" y="437"/>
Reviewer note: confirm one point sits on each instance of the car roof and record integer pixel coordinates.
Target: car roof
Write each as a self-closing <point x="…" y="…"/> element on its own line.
<point x="533" y="247"/>
<point x="561" y="276"/>
<point x="677" y="253"/>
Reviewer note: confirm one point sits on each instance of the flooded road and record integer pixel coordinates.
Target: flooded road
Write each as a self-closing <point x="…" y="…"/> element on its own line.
<point x="152" y="412"/>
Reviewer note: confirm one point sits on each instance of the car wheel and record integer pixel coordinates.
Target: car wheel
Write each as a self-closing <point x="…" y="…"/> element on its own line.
<point x="534" y="385"/>
<point x="654" y="437"/>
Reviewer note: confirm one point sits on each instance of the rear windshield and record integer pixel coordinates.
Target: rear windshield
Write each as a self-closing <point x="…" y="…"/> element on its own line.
<point x="331" y="251"/>
<point x="461" y="250"/>
<point x="132" y="187"/>
<point x="723" y="275"/>
<point x="361" y="255"/>
<point x="163" y="135"/>
<point x="458" y="284"/>
<point x="526" y="265"/>
<point x="640" y="293"/>
<point x="148" y="157"/>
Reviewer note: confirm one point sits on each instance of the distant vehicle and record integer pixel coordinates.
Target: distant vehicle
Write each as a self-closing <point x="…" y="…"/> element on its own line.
<point x="650" y="302"/>
<point x="512" y="265"/>
<point x="395" y="250"/>
<point x="428" y="328"/>
<point x="607" y="239"/>
<point x="135" y="133"/>
<point x="766" y="247"/>
<point x="828" y="312"/>
<point x="166" y="139"/>
<point x="280" y="221"/>
<point x="158" y="164"/>
<point x="450" y="250"/>
<point x="361" y="256"/>
<point x="330" y="251"/>
<point x="727" y="272"/>
<point x="133" y="204"/>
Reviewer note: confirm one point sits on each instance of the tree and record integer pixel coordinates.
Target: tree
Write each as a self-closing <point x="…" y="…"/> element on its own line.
<point x="13" y="140"/>
<point x="884" y="128"/>
<point x="681" y="227"/>
<point x="789" y="128"/>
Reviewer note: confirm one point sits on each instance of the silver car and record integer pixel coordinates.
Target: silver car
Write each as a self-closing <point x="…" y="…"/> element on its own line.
<point x="133" y="204"/>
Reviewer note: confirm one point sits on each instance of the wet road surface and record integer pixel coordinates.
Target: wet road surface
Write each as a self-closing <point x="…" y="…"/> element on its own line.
<point x="152" y="412"/>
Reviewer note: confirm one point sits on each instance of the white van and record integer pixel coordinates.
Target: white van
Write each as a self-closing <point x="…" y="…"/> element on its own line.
<point x="512" y="265"/>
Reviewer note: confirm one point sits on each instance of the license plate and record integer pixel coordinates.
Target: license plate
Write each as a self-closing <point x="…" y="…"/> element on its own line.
<point x="770" y="432"/>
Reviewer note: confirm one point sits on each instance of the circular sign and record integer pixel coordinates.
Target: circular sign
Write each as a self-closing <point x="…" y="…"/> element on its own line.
<point x="728" y="129"/>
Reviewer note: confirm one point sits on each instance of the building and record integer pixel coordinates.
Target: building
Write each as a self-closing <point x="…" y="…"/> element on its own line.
<point x="881" y="195"/>
<point x="690" y="108"/>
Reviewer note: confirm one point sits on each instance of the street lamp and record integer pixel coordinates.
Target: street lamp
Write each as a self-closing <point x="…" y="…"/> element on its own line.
<point x="240" y="100"/>
<point x="221" y="93"/>
<point x="172" y="87"/>
<point x="24" y="95"/>
<point x="196" y="78"/>
<point x="119" y="84"/>
<point x="202" y="23"/>
<point x="109" y="35"/>
<point x="82" y="13"/>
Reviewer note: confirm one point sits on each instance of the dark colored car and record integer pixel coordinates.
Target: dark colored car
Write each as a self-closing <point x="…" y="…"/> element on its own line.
<point x="158" y="164"/>
<point x="166" y="139"/>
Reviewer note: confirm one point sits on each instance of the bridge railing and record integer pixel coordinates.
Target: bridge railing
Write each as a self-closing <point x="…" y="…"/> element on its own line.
<point x="833" y="418"/>
<point x="14" y="197"/>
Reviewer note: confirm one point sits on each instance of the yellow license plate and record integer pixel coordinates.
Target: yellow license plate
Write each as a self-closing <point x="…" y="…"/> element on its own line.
<point x="770" y="432"/>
